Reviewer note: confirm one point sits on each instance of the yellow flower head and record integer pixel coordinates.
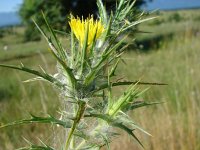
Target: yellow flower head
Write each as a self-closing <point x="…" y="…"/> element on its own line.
<point x="79" y="28"/>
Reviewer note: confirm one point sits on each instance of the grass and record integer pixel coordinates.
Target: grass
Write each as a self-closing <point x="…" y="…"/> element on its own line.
<point x="166" y="26"/>
<point x="174" y="124"/>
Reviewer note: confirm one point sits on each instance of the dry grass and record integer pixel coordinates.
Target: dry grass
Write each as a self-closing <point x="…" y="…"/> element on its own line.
<point x="174" y="124"/>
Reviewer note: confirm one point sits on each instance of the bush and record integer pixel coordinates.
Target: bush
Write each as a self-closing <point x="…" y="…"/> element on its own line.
<point x="197" y="18"/>
<point x="31" y="34"/>
<point x="2" y="32"/>
<point x="175" y="17"/>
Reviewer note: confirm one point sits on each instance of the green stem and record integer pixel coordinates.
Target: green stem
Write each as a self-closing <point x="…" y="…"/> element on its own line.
<point x="72" y="143"/>
<point x="79" y="114"/>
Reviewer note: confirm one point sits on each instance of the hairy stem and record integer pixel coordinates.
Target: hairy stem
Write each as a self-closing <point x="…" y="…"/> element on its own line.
<point x="79" y="114"/>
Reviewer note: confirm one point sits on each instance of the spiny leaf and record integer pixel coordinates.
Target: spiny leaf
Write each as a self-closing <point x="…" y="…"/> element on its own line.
<point x="105" y="85"/>
<point x="129" y="95"/>
<point x="139" y="104"/>
<point x="54" y="53"/>
<point x="110" y="49"/>
<point x="40" y="29"/>
<point x="128" y="130"/>
<point x="61" y="52"/>
<point x="36" y="147"/>
<point x="112" y="72"/>
<point x="127" y="9"/>
<point x="119" y="8"/>
<point x="138" y="82"/>
<point x="68" y="70"/>
<point x="34" y="119"/>
<point x="37" y="73"/>
<point x="61" y="32"/>
<point x="107" y="32"/>
<point x="102" y="11"/>
<point x="116" y="123"/>
<point x="92" y="75"/>
<point x="126" y="120"/>
<point x="90" y="147"/>
<point x="104" y="117"/>
<point x="136" y="23"/>
<point x="106" y="140"/>
<point x="84" y="48"/>
<point x="74" y="53"/>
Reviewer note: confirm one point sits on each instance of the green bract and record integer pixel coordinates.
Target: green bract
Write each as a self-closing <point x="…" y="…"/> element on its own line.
<point x="90" y="113"/>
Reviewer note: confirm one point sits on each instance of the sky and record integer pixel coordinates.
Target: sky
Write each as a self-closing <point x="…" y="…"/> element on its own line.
<point x="173" y="4"/>
<point x="13" y="5"/>
<point x="9" y="5"/>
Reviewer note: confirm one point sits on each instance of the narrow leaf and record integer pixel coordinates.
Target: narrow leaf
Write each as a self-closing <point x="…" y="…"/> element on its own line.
<point x="102" y="11"/>
<point x="112" y="72"/>
<point x="105" y="85"/>
<point x="35" y="119"/>
<point x="136" y="23"/>
<point x="129" y="131"/>
<point x="61" y="51"/>
<point x="36" y="147"/>
<point x="34" y="72"/>
<point x="139" y="104"/>
<point x="84" y="48"/>
<point x="68" y="70"/>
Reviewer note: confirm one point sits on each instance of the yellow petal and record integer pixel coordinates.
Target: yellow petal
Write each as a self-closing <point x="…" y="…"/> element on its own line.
<point x="78" y="27"/>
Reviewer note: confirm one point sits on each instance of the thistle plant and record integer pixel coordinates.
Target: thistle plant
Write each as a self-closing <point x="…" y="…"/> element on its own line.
<point x="85" y="78"/>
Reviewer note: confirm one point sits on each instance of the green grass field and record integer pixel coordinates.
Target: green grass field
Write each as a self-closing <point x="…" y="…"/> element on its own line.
<point x="172" y="58"/>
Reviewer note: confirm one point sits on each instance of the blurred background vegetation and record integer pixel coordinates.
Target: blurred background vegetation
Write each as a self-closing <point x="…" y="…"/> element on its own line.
<point x="168" y="53"/>
<point x="58" y="12"/>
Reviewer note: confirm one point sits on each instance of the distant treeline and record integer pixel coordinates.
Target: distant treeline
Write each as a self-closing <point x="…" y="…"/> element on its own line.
<point x="57" y="12"/>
